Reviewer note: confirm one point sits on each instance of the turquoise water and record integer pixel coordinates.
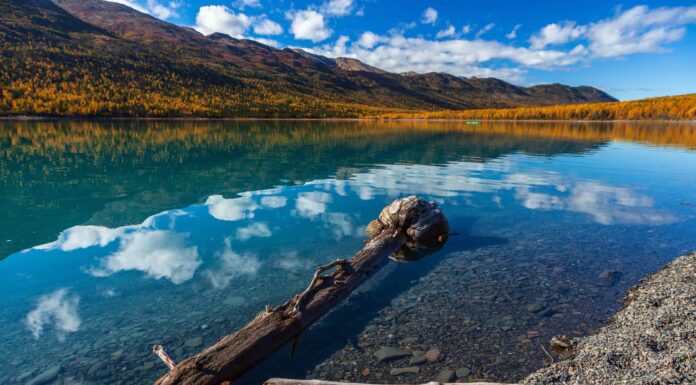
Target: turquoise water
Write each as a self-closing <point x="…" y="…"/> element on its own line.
<point x="120" y="235"/>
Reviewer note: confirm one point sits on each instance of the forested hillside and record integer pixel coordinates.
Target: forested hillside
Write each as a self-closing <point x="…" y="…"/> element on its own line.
<point x="97" y="58"/>
<point x="682" y="107"/>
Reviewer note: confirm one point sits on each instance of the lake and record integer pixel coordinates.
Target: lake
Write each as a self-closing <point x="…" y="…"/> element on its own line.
<point x="117" y="235"/>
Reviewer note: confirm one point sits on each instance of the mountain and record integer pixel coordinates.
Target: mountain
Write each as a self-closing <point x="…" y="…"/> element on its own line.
<point x="99" y="58"/>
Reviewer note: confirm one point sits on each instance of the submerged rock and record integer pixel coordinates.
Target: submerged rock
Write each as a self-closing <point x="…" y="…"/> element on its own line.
<point x="407" y="370"/>
<point x="193" y="342"/>
<point x="462" y="373"/>
<point x="446" y="375"/>
<point x="46" y="376"/>
<point x="390" y="353"/>
<point x="417" y="360"/>
<point x="432" y="355"/>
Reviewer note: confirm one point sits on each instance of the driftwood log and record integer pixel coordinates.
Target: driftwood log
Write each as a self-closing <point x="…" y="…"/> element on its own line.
<point x="407" y="223"/>
<point x="284" y="381"/>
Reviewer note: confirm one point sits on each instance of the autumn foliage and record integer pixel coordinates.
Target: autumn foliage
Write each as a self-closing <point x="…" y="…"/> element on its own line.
<point x="682" y="107"/>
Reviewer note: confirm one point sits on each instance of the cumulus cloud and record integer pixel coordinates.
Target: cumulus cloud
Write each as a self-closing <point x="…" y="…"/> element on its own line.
<point x="232" y="209"/>
<point x="639" y="30"/>
<point x="311" y="204"/>
<point x="241" y="4"/>
<point x="398" y="53"/>
<point x="604" y="203"/>
<point x="232" y="265"/>
<point x="274" y="202"/>
<point x="369" y="39"/>
<point x="57" y="310"/>
<point x="636" y="30"/>
<point x="142" y="247"/>
<point x="219" y="18"/>
<point x="160" y="10"/>
<point x="81" y="237"/>
<point x="561" y="44"/>
<point x="265" y="26"/>
<point x="429" y="16"/>
<point x="309" y="25"/>
<point x="157" y="253"/>
<point x="337" y="7"/>
<point x="557" y="34"/>
<point x="257" y="229"/>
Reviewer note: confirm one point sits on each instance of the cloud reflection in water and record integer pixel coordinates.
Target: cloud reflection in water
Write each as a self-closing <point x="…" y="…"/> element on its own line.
<point x="58" y="310"/>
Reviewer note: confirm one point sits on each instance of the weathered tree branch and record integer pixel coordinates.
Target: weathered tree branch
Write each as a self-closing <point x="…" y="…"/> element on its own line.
<point x="164" y="356"/>
<point x="407" y="222"/>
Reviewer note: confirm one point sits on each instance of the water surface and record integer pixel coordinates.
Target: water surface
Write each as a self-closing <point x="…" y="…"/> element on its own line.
<point x="119" y="235"/>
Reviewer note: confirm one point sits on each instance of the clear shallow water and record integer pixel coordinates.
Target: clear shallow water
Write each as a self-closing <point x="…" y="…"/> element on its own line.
<point x="119" y="235"/>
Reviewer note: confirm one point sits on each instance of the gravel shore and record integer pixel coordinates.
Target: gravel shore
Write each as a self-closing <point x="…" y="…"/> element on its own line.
<point x="651" y="340"/>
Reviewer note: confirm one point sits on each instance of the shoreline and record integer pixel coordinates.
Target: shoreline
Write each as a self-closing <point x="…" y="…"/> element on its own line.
<point x="232" y="119"/>
<point x="650" y="340"/>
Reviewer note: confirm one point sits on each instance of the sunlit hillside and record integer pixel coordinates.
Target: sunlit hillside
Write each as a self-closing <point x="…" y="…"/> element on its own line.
<point x="682" y="107"/>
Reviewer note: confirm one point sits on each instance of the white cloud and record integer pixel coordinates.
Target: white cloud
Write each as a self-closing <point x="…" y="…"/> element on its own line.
<point x="256" y="229"/>
<point x="485" y="29"/>
<point x="447" y="32"/>
<point x="130" y="3"/>
<point x="241" y="4"/>
<point x="290" y="261"/>
<point x="59" y="310"/>
<point x="232" y="209"/>
<point x="636" y="30"/>
<point x="604" y="203"/>
<point x="311" y="204"/>
<point x="553" y="34"/>
<point x="337" y="7"/>
<point x="369" y="40"/>
<point x="158" y="253"/>
<point x="163" y="11"/>
<point x="462" y="57"/>
<point x="513" y="33"/>
<point x="639" y="30"/>
<point x="265" y="26"/>
<point x="429" y="16"/>
<point x="219" y="18"/>
<point x="81" y="237"/>
<point x="153" y="7"/>
<point x="274" y="202"/>
<point x="232" y="265"/>
<point x="309" y="25"/>
<point x="466" y="29"/>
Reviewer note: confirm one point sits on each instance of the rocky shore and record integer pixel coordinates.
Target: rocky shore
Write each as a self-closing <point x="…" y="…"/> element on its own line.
<point x="651" y="340"/>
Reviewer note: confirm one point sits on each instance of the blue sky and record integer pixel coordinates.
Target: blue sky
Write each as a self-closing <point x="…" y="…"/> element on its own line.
<point x="629" y="49"/>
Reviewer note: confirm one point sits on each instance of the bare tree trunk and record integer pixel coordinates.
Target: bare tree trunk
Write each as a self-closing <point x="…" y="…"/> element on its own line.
<point x="405" y="221"/>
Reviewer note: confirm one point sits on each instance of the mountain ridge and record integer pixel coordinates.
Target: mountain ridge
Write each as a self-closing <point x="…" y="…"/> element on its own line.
<point x="186" y="73"/>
